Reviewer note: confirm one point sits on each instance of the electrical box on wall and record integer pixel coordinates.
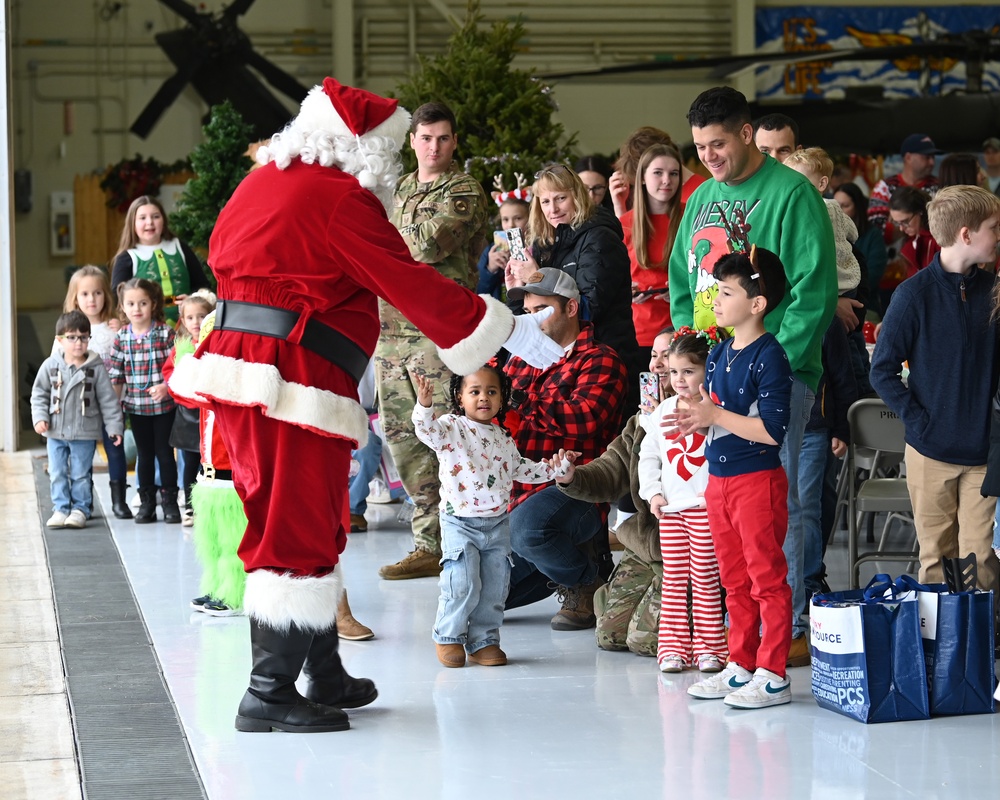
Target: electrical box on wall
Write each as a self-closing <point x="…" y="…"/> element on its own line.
<point x="62" y="236"/>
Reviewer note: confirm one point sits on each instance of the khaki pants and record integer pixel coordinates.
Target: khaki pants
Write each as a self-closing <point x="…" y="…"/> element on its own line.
<point x="397" y="360"/>
<point x="951" y="517"/>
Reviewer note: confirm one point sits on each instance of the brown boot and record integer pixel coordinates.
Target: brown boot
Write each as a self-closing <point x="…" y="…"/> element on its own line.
<point x="418" y="564"/>
<point x="489" y="656"/>
<point x="358" y="523"/>
<point x="348" y="627"/>
<point x="577" y="613"/>
<point x="614" y="542"/>
<point x="451" y="655"/>
<point x="798" y="653"/>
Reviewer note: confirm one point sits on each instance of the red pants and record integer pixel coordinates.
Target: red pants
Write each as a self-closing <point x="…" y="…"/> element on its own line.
<point x="688" y="555"/>
<point x="748" y="515"/>
<point x="293" y="485"/>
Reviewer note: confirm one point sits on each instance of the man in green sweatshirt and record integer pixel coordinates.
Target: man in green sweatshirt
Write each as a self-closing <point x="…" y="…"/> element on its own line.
<point x="776" y="210"/>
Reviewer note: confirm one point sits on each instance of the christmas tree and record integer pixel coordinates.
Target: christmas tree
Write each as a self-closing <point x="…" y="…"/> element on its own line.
<point x="220" y="163"/>
<point x="504" y="114"/>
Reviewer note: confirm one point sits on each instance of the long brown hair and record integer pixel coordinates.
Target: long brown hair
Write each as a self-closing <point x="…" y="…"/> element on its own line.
<point x="642" y="220"/>
<point x="129" y="238"/>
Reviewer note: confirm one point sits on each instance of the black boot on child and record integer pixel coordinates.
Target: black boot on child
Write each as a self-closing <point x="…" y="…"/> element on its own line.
<point x="119" y="506"/>
<point x="147" y="507"/>
<point x="168" y="502"/>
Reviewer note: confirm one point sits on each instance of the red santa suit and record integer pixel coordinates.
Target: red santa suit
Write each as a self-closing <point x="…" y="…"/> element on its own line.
<point x="302" y="251"/>
<point x="311" y="240"/>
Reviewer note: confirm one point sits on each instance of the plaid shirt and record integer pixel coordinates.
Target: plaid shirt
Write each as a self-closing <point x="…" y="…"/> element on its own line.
<point x="137" y="362"/>
<point x="575" y="404"/>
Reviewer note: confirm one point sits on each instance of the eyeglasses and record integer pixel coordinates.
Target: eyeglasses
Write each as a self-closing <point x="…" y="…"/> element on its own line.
<point x="75" y="339"/>
<point x="597" y="191"/>
<point x="552" y="169"/>
<point x="905" y="223"/>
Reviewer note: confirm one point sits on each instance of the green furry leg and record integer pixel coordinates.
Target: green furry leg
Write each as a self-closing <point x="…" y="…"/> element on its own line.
<point x="219" y="525"/>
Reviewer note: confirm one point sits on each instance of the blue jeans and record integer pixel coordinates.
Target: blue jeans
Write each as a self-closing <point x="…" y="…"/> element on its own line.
<point x="800" y="409"/>
<point x="475" y="576"/>
<point x="70" y="467"/>
<point x="117" y="468"/>
<point x="369" y="458"/>
<point x="812" y="475"/>
<point x="996" y="528"/>
<point x="545" y="531"/>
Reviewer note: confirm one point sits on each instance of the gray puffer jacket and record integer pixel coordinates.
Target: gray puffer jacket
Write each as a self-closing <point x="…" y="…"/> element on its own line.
<point x="76" y="401"/>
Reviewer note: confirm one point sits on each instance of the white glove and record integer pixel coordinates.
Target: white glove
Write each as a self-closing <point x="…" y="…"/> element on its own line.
<point x="528" y="342"/>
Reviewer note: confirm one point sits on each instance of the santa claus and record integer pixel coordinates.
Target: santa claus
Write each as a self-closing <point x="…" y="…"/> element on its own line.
<point x="301" y="252"/>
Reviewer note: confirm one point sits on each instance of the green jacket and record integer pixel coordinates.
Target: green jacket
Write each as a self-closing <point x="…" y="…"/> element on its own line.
<point x="611" y="476"/>
<point x="787" y="216"/>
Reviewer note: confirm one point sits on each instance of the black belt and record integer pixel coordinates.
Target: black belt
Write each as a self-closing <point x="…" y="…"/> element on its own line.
<point x="232" y="315"/>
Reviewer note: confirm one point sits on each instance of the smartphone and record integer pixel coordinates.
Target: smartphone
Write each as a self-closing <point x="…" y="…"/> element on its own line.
<point x="517" y="249"/>
<point x="500" y="241"/>
<point x="649" y="392"/>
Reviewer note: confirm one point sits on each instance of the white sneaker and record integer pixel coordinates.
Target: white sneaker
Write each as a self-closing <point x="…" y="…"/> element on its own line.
<point x="766" y="689"/>
<point x="187" y="518"/>
<point x="57" y="520"/>
<point x="721" y="684"/>
<point x="76" y="519"/>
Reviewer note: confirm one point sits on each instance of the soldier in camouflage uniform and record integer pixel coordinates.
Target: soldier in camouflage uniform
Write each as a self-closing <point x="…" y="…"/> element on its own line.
<point x="628" y="608"/>
<point x="443" y="217"/>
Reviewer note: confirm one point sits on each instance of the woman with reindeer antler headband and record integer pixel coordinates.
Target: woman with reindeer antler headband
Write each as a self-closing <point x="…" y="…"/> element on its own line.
<point x="568" y="232"/>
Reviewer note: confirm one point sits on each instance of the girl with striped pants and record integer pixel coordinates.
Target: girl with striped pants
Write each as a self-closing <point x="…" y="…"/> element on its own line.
<point x="673" y="475"/>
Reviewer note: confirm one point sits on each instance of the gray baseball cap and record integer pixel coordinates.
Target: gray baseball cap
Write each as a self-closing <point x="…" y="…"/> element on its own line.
<point x="547" y="282"/>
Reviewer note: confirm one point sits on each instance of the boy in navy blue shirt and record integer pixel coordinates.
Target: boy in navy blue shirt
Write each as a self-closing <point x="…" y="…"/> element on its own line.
<point x="745" y="408"/>
<point x="940" y="322"/>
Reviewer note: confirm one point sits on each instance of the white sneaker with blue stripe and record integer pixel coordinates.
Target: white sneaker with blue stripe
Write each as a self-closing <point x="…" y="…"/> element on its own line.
<point x="722" y="684"/>
<point x="766" y="689"/>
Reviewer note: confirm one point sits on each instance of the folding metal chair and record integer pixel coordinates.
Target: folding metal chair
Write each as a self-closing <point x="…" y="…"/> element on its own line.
<point x="874" y="427"/>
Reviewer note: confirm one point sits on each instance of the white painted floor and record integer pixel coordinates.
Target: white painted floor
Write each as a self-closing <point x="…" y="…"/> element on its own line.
<point x="563" y="719"/>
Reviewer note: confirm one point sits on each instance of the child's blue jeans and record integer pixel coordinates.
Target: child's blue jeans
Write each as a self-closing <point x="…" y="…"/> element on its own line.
<point x="70" y="467"/>
<point x="475" y="577"/>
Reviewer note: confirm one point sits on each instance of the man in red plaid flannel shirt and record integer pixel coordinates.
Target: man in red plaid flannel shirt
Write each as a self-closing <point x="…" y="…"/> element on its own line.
<point x="575" y="404"/>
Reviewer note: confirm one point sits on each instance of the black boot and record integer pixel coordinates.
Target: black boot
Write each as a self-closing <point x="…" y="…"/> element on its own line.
<point x="272" y="701"/>
<point x="168" y="502"/>
<point x="147" y="509"/>
<point x="329" y="682"/>
<point x="118" y="505"/>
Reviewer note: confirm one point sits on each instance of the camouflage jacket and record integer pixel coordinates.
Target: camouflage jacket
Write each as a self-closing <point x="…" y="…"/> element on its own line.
<point x="609" y="477"/>
<point x="445" y="223"/>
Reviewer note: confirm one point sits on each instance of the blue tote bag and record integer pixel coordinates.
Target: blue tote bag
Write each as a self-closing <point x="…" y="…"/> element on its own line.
<point x="957" y="631"/>
<point x="867" y="655"/>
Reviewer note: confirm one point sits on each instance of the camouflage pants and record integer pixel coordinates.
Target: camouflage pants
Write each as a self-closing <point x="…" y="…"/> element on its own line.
<point x="628" y="607"/>
<point x="397" y="360"/>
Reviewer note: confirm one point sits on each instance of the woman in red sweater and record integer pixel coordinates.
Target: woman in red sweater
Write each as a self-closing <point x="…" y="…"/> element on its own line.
<point x="650" y="229"/>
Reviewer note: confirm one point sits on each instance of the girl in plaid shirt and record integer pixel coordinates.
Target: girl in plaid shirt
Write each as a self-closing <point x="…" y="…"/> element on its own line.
<point x="137" y="358"/>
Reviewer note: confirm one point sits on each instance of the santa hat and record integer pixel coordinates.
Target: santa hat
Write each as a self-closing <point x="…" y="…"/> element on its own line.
<point x="348" y="111"/>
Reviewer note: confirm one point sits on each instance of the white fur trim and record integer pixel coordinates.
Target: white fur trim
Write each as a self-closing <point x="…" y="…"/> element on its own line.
<point x="318" y="114"/>
<point x="245" y="383"/>
<point x="482" y="344"/>
<point x="280" y="600"/>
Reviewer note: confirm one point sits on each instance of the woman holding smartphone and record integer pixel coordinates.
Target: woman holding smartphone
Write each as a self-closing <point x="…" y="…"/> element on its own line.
<point x="567" y="231"/>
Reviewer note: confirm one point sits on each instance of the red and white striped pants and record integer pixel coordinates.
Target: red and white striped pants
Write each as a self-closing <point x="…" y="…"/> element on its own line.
<point x="689" y="555"/>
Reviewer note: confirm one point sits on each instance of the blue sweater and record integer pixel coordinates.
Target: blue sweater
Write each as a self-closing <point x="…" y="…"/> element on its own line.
<point x="940" y="323"/>
<point x="759" y="384"/>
